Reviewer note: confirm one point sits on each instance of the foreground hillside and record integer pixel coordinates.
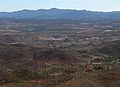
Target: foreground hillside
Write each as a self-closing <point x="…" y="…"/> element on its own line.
<point x="28" y="66"/>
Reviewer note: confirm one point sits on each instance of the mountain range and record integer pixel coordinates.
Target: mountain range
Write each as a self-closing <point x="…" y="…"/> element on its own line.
<point x="55" y="13"/>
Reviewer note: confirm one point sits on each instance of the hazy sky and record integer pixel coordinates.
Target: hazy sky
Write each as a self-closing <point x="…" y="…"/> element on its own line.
<point x="94" y="5"/>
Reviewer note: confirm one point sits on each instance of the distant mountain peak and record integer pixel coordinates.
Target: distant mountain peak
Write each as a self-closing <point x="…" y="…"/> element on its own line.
<point x="54" y="9"/>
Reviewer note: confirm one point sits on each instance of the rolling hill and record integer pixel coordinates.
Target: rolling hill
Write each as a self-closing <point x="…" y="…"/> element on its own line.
<point x="55" y="13"/>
